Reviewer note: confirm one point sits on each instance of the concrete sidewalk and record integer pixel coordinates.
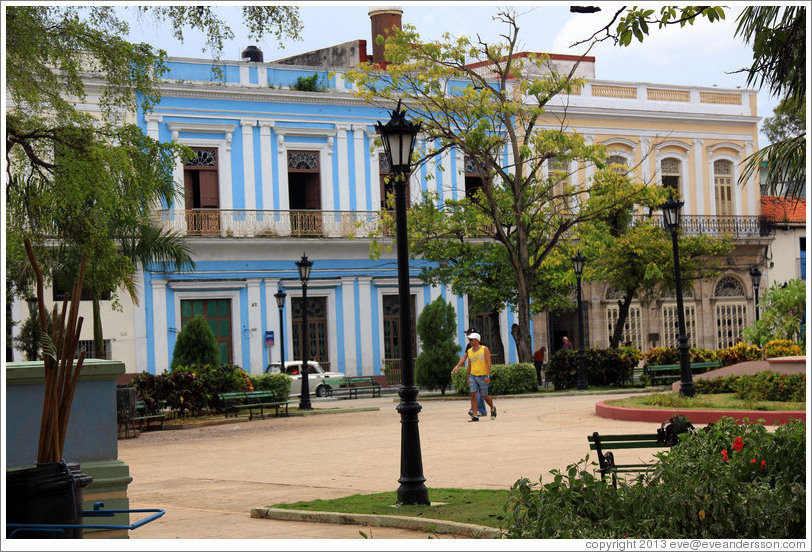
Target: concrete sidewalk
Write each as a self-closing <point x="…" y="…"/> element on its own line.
<point x="208" y="479"/>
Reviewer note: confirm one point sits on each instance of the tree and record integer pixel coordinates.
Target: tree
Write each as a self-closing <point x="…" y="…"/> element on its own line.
<point x="196" y="344"/>
<point x="788" y="121"/>
<point x="469" y="99"/>
<point x="436" y="328"/>
<point x="91" y="179"/>
<point x="633" y="254"/>
<point x="783" y="314"/>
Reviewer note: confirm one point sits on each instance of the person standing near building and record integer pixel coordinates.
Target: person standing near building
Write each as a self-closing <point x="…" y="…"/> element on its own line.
<point x="538" y="362"/>
<point x="566" y="343"/>
<point x="479" y="373"/>
<point x="479" y="400"/>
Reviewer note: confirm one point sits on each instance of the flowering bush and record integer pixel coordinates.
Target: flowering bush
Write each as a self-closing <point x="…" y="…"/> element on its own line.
<point x="506" y="379"/>
<point x="716" y="385"/>
<point x="278" y="383"/>
<point x="740" y="352"/>
<point x="670" y="355"/>
<point x="772" y="386"/>
<point x="724" y="481"/>
<point x="781" y="348"/>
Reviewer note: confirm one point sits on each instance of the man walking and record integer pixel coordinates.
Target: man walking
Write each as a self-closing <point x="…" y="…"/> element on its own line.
<point x="480" y="403"/>
<point x="479" y="373"/>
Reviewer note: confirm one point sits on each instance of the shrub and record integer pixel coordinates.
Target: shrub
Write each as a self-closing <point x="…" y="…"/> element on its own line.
<point x="755" y="489"/>
<point x="740" y="352"/>
<point x="783" y="309"/>
<point x="670" y="355"/>
<point x="602" y="366"/>
<point x="506" y="379"/>
<point x="309" y="84"/>
<point x="196" y="344"/>
<point x="781" y="348"/>
<point x="771" y="386"/>
<point x="716" y="385"/>
<point x="278" y="383"/>
<point x="211" y="380"/>
<point x="436" y="327"/>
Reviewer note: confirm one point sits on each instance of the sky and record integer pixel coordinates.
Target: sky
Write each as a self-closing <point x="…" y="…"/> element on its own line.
<point x="704" y="54"/>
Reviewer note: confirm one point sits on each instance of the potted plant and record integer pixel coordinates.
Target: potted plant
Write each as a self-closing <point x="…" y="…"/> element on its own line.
<point x="51" y="493"/>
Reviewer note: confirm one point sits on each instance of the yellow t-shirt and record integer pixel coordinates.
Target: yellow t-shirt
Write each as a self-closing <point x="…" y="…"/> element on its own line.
<point x="476" y="360"/>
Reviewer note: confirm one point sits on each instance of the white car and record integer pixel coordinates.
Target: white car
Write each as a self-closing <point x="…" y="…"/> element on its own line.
<point x="316" y="376"/>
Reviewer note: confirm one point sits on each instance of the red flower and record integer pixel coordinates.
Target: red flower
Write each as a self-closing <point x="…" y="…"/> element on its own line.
<point x="724" y="454"/>
<point x="763" y="463"/>
<point x="753" y="461"/>
<point x="738" y="444"/>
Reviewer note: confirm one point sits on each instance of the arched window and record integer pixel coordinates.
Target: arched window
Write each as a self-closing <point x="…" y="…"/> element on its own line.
<point x="633" y="327"/>
<point x="618" y="160"/>
<point x="670" y="169"/>
<point x="731" y="311"/>
<point x="670" y="318"/>
<point x="723" y="184"/>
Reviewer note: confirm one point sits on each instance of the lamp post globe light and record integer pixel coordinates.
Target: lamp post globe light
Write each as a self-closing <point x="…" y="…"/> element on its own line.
<point x="755" y="277"/>
<point x="398" y="137"/>
<point x="671" y="215"/>
<point x="280" y="302"/>
<point x="578" y="261"/>
<point x="304" y="266"/>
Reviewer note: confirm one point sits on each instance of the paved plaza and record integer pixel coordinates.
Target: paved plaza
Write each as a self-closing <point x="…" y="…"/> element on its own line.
<point x="208" y="479"/>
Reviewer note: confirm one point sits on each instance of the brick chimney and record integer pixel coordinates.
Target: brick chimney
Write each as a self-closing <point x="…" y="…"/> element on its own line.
<point x="383" y="19"/>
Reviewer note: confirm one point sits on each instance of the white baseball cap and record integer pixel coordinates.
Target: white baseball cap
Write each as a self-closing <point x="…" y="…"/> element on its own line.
<point x="474" y="335"/>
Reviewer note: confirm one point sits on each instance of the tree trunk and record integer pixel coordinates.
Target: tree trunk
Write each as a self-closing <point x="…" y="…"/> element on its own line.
<point x="622" y="315"/>
<point x="98" y="337"/>
<point x="498" y="346"/>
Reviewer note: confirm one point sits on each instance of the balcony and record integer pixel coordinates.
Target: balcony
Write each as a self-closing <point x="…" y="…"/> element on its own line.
<point x="245" y="223"/>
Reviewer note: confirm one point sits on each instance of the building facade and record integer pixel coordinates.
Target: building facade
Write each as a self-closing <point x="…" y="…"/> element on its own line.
<point x="285" y="165"/>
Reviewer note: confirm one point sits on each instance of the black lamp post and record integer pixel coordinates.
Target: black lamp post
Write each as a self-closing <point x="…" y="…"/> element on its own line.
<point x="578" y="261"/>
<point x="671" y="213"/>
<point x="755" y="277"/>
<point x="304" y="275"/>
<point x="280" y="302"/>
<point x="399" y="136"/>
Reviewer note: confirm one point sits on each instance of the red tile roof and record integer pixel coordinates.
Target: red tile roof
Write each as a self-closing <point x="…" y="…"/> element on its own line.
<point x="784" y="210"/>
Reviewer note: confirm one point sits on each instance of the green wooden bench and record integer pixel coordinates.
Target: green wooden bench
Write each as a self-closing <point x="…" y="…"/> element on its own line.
<point x="605" y="444"/>
<point x="669" y="373"/>
<point x="353" y="384"/>
<point x="144" y="416"/>
<point x="237" y="401"/>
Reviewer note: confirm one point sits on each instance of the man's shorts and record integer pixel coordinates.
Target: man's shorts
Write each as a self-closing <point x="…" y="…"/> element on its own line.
<point x="478" y="383"/>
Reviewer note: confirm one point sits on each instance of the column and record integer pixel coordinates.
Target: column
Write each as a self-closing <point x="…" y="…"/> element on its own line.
<point x="348" y="320"/>
<point x="361" y="185"/>
<point x="160" y="325"/>
<point x="266" y="165"/>
<point x="256" y="341"/>
<point x="248" y="162"/>
<point x="365" y="304"/>
<point x="699" y="172"/>
<point x="345" y="187"/>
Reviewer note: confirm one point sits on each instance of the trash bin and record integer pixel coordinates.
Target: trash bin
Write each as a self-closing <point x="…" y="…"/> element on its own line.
<point x="51" y="494"/>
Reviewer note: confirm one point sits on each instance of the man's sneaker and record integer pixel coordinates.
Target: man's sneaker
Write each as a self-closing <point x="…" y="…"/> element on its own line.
<point x="474" y="418"/>
<point x="483" y="413"/>
<point x="493" y="412"/>
<point x="471" y="412"/>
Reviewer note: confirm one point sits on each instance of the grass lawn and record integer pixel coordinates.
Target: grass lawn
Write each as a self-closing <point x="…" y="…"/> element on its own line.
<point x="719" y="401"/>
<point x="477" y="506"/>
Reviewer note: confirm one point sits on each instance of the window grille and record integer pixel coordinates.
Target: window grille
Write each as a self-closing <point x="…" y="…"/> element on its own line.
<point x="204" y="158"/>
<point x="731" y="319"/>
<point x="729" y="286"/>
<point x="632" y="329"/>
<point x="304" y="160"/>
<point x="671" y="325"/>
<point x="88" y="346"/>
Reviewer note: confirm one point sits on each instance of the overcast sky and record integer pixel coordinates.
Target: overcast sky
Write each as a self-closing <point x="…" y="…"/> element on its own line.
<point x="705" y="54"/>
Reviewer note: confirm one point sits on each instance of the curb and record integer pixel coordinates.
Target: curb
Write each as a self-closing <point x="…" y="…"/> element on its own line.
<point x="604" y="410"/>
<point x="436" y="526"/>
<point x="244" y="419"/>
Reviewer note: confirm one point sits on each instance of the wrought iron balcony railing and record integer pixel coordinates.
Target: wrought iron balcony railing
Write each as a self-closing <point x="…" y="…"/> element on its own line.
<point x="246" y="223"/>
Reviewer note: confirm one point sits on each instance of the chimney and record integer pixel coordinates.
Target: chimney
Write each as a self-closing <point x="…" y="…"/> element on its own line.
<point x="252" y="53"/>
<point x="383" y="19"/>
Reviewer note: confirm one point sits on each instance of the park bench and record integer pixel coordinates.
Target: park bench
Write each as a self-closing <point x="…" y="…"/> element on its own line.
<point x="603" y="445"/>
<point x="353" y="384"/>
<point x="144" y="416"/>
<point x="236" y="401"/>
<point x="669" y="373"/>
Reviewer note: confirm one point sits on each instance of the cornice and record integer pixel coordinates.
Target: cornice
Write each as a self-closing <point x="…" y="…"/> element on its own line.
<point x="260" y="95"/>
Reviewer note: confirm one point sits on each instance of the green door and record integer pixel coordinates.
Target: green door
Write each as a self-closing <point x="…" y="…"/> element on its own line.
<point x="217" y="313"/>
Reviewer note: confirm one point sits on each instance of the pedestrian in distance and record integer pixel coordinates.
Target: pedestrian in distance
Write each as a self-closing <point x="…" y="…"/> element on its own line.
<point x="479" y="373"/>
<point x="538" y="362"/>
<point x="567" y="344"/>
<point x="480" y="403"/>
